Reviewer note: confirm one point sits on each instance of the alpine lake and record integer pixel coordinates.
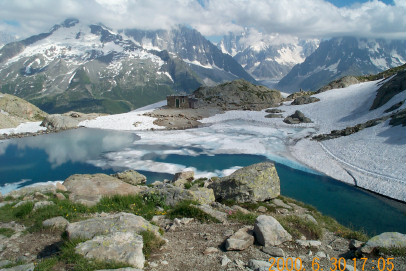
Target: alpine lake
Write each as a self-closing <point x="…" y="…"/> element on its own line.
<point x="54" y="157"/>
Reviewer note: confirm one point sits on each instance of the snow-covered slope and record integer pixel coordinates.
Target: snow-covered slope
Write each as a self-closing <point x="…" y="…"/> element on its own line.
<point x="339" y="57"/>
<point x="267" y="56"/>
<point x="373" y="158"/>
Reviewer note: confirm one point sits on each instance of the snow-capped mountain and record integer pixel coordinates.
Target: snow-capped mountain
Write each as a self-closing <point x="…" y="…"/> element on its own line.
<point x="267" y="57"/>
<point x="92" y="68"/>
<point x="203" y="57"/>
<point x="339" y="57"/>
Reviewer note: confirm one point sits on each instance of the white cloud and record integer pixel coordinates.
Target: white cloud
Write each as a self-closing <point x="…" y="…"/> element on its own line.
<point x="302" y="18"/>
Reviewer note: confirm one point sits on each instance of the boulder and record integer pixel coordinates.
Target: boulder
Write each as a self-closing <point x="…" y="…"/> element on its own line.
<point x="56" y="222"/>
<point x="274" y="111"/>
<point x="131" y="177"/>
<point x="273" y="116"/>
<point x="258" y="182"/>
<point x="57" y="122"/>
<point x="42" y="204"/>
<point x="184" y="175"/>
<point x="173" y="194"/>
<point x="240" y="240"/>
<point x="384" y="240"/>
<point x="305" y="100"/>
<point x="296" y="118"/>
<point x="42" y="188"/>
<point x="89" y="189"/>
<point x="269" y="232"/>
<point x="124" y="247"/>
<point x="121" y="222"/>
<point x="221" y="216"/>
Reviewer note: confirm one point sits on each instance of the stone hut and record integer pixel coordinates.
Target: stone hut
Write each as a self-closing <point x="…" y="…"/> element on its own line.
<point x="181" y="101"/>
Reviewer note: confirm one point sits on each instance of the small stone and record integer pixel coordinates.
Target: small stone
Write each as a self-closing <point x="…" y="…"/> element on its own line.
<point x="225" y="260"/>
<point x="262" y="209"/>
<point x="153" y="264"/>
<point x="280" y="203"/>
<point x="321" y="254"/>
<point x="42" y="204"/>
<point x="240" y="240"/>
<point x="60" y="196"/>
<point x="240" y="209"/>
<point x="59" y="186"/>
<point x="309" y="243"/>
<point x="210" y="250"/>
<point x="310" y="253"/>
<point x="274" y="251"/>
<point x="164" y="262"/>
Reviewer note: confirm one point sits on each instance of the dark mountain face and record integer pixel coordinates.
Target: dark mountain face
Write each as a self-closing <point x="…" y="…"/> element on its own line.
<point x="94" y="69"/>
<point x="339" y="57"/>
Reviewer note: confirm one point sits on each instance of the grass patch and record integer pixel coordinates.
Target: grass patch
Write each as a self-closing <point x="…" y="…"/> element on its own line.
<point x="6" y="232"/>
<point x="393" y="251"/>
<point x="298" y="226"/>
<point x="187" y="209"/>
<point x="151" y="243"/>
<point x="243" y="218"/>
<point x="250" y="206"/>
<point x="144" y="206"/>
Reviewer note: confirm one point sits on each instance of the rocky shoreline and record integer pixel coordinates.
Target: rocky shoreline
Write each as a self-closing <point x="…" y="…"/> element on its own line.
<point x="238" y="222"/>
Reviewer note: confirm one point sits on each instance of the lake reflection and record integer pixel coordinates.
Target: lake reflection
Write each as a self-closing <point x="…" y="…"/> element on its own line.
<point x="56" y="156"/>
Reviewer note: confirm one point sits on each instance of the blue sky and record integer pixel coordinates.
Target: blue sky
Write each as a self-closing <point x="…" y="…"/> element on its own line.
<point x="213" y="18"/>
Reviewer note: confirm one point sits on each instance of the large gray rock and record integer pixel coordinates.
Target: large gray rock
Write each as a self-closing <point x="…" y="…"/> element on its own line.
<point x="296" y="118"/>
<point x="305" y="100"/>
<point x="173" y="194"/>
<point x="257" y="182"/>
<point x="221" y="216"/>
<point x="184" y="175"/>
<point x="42" y="188"/>
<point x="124" y="247"/>
<point x="385" y="240"/>
<point x="269" y="232"/>
<point x="57" y="122"/>
<point x="241" y="239"/>
<point x="89" y="189"/>
<point x="131" y="177"/>
<point x="121" y="222"/>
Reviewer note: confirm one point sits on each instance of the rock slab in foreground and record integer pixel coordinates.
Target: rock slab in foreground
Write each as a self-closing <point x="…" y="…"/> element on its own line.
<point x="258" y="182"/>
<point x="89" y="189"/>
<point x="124" y="247"/>
<point x="121" y="222"/>
<point x="385" y="240"/>
<point x="269" y="232"/>
<point x="240" y="240"/>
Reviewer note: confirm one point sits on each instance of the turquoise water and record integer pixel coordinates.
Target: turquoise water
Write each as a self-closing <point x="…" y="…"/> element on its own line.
<point x="57" y="156"/>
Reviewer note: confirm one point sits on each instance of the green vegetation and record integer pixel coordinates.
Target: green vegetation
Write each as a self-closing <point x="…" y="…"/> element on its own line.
<point x="298" y="226"/>
<point x="187" y="209"/>
<point x="151" y="243"/>
<point x="144" y="206"/>
<point x="72" y="261"/>
<point x="384" y="74"/>
<point x="243" y="218"/>
<point x="6" y="232"/>
<point x="393" y="251"/>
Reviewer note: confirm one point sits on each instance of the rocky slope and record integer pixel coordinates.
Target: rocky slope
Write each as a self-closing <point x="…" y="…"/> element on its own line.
<point x="339" y="57"/>
<point x="154" y="228"/>
<point x="14" y="111"/>
<point x="266" y="57"/>
<point x="91" y="68"/>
